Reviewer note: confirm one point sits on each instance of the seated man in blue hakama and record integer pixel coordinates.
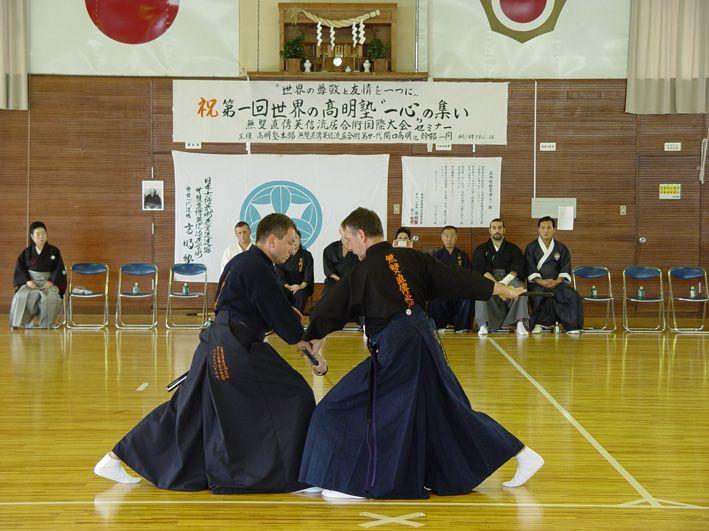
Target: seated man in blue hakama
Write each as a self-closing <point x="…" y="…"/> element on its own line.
<point x="548" y="265"/>
<point x="400" y="422"/>
<point x="238" y="422"/>
<point x="454" y="311"/>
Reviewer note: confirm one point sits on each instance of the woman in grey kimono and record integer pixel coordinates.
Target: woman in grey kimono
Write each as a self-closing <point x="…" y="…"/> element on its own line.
<point x="39" y="280"/>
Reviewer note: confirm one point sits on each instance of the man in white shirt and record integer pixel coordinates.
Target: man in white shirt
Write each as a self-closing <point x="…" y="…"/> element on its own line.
<point x="243" y="242"/>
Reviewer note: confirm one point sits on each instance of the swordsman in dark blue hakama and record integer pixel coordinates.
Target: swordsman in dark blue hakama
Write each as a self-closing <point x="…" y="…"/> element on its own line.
<point x="238" y="423"/>
<point x="400" y="422"/>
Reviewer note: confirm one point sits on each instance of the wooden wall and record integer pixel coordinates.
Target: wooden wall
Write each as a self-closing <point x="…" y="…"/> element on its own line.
<point x="77" y="158"/>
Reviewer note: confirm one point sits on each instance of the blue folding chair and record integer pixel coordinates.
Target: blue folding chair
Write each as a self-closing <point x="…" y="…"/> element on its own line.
<point x="605" y="295"/>
<point x="686" y="275"/>
<point x="187" y="270"/>
<point x="643" y="274"/>
<point x="85" y="270"/>
<point x="140" y="273"/>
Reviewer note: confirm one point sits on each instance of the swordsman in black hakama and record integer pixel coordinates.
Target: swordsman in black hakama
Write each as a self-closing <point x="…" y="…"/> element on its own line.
<point x="238" y="422"/>
<point x="400" y="421"/>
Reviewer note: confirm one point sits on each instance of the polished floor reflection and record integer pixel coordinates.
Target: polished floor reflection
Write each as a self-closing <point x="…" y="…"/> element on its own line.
<point x="620" y="419"/>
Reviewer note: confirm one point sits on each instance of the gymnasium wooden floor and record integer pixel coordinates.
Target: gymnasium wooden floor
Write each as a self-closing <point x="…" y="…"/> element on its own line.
<point x="621" y="420"/>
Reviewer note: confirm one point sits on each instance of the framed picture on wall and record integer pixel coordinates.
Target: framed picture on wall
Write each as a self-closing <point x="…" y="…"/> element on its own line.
<point x="153" y="196"/>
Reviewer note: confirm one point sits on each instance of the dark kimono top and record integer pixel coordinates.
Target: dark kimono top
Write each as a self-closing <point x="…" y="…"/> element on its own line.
<point x="457" y="257"/>
<point x="297" y="269"/>
<point x="486" y="258"/>
<point x="374" y="290"/>
<point x="249" y="289"/>
<point x="48" y="261"/>
<point x="548" y="263"/>
<point x="336" y="264"/>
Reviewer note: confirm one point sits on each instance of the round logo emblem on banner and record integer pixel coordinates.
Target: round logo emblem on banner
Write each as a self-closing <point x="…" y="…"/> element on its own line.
<point x="522" y="20"/>
<point x="284" y="197"/>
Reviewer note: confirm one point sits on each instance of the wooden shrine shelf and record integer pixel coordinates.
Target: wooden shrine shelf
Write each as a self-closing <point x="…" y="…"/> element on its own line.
<point x="341" y="76"/>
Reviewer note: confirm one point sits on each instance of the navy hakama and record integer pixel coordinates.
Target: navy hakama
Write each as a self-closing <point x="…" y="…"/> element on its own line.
<point x="423" y="431"/>
<point x="400" y="421"/>
<point x="553" y="262"/>
<point x="236" y="425"/>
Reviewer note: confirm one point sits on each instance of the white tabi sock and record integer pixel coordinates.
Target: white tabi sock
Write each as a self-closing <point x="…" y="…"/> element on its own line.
<point x="521" y="330"/>
<point x="111" y="468"/>
<point x="528" y="463"/>
<point x="309" y="490"/>
<point x="482" y="331"/>
<point x="334" y="495"/>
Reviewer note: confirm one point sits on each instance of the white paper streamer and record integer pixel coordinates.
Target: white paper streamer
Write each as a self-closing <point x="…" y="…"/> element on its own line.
<point x="319" y="33"/>
<point x="361" y="32"/>
<point x="332" y="38"/>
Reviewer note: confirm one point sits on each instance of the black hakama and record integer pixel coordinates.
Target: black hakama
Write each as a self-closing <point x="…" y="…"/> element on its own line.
<point x="236" y="425"/>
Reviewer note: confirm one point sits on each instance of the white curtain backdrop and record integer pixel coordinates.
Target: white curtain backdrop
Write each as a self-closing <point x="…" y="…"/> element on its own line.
<point x="13" y="55"/>
<point x="668" y="59"/>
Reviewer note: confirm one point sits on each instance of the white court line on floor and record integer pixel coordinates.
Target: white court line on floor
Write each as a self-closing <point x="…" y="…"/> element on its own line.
<point x="143" y="386"/>
<point x="576" y="424"/>
<point x="391" y="503"/>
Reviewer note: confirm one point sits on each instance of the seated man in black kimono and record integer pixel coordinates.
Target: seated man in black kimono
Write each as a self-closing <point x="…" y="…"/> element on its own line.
<point x="337" y="260"/>
<point x="238" y="423"/>
<point x="296" y="275"/>
<point x="40" y="281"/>
<point x="501" y="260"/>
<point x="400" y="422"/>
<point x="548" y="265"/>
<point x="454" y="311"/>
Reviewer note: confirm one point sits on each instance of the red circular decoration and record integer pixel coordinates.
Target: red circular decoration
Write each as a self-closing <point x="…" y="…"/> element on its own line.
<point x="134" y="22"/>
<point x="523" y="11"/>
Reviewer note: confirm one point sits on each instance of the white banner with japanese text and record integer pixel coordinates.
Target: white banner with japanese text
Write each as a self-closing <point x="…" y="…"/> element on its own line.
<point x="371" y="112"/>
<point x="213" y="192"/>
<point x="459" y="191"/>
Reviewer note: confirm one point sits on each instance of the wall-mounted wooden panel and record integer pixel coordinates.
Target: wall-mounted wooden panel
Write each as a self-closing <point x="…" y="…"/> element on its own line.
<point x="87" y="143"/>
<point x="89" y="151"/>
<point x="655" y="130"/>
